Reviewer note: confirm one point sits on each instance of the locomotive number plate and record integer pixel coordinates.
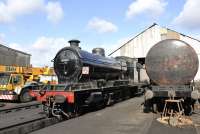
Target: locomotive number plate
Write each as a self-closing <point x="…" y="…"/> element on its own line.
<point x="85" y="70"/>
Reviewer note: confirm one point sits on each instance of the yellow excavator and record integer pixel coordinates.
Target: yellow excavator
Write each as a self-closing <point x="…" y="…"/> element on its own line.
<point x="16" y="82"/>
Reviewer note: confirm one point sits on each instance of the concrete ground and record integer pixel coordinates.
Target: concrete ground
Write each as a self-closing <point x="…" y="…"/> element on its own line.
<point x="123" y="118"/>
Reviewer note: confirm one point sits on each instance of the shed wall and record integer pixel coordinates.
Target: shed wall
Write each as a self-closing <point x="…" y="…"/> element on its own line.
<point x="140" y="45"/>
<point x="10" y="57"/>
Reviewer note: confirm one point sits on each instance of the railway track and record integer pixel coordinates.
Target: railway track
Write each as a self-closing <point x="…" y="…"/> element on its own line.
<point x="19" y="107"/>
<point x="27" y="121"/>
<point x="24" y="119"/>
<point x="2" y="104"/>
<point x="28" y="125"/>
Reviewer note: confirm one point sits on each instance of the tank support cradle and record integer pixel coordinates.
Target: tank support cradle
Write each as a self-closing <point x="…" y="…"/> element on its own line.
<point x="173" y="113"/>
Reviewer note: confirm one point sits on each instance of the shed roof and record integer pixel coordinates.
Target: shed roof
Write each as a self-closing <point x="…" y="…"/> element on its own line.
<point x="14" y="50"/>
<point x="154" y="24"/>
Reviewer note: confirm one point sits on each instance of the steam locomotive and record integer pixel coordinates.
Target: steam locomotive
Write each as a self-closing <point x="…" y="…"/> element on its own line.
<point x="171" y="66"/>
<point x="87" y="80"/>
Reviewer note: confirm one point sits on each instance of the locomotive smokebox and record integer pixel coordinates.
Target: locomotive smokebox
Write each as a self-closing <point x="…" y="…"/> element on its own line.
<point x="74" y="43"/>
<point x="99" y="51"/>
<point x="171" y="62"/>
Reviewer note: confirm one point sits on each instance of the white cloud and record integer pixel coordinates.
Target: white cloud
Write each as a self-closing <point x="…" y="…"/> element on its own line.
<point x="150" y="7"/>
<point x="189" y="17"/>
<point x="54" y="11"/>
<point x="43" y="50"/>
<point x="11" y="9"/>
<point x="101" y="25"/>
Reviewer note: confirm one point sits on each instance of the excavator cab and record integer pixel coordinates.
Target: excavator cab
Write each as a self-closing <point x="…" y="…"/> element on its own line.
<point x="4" y="79"/>
<point x="10" y="81"/>
<point x="16" y="82"/>
<point x="12" y="87"/>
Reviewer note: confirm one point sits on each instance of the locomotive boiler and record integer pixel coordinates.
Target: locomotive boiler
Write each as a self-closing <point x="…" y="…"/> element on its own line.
<point x="171" y="66"/>
<point x="72" y="64"/>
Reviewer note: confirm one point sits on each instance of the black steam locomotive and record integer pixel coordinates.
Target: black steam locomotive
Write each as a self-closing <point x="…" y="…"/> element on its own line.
<point x="171" y="65"/>
<point x="87" y="80"/>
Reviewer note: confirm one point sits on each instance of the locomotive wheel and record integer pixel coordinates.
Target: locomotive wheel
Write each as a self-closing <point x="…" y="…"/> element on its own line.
<point x="146" y="106"/>
<point x="155" y="108"/>
<point x="187" y="105"/>
<point x="78" y="111"/>
<point x="110" y="100"/>
<point x="25" y="96"/>
<point x="188" y="109"/>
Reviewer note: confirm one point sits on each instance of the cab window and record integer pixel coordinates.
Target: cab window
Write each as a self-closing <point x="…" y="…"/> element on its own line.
<point x="16" y="79"/>
<point x="4" y="79"/>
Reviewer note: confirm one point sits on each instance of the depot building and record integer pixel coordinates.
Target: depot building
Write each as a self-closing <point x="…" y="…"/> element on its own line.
<point x="138" y="46"/>
<point x="13" y="57"/>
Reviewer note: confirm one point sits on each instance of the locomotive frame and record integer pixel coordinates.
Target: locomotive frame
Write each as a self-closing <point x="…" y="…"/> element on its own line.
<point x="74" y="99"/>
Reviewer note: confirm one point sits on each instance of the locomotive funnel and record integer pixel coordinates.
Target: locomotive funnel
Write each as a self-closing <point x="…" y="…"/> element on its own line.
<point x="74" y="43"/>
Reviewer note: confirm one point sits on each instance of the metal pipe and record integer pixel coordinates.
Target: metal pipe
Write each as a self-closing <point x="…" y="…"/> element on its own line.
<point x="54" y="114"/>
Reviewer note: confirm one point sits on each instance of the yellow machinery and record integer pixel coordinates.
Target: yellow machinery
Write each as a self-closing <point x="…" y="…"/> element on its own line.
<point x="15" y="82"/>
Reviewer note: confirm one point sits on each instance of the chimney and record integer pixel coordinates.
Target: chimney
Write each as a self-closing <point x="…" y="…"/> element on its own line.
<point x="74" y="43"/>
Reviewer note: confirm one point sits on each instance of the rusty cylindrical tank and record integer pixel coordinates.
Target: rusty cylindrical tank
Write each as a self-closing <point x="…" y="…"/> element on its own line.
<point x="171" y="62"/>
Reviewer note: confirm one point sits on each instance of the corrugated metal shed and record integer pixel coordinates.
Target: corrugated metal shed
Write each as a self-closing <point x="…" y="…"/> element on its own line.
<point x="9" y="56"/>
<point x="138" y="46"/>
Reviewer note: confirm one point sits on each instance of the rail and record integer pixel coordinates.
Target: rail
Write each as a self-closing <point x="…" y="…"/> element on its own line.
<point x="19" y="107"/>
<point x="28" y="125"/>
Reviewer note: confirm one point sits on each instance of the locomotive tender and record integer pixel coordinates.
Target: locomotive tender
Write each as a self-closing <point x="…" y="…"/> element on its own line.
<point x="171" y="66"/>
<point x="87" y="80"/>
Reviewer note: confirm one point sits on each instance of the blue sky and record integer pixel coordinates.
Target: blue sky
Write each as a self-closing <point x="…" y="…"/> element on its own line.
<point x="42" y="27"/>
